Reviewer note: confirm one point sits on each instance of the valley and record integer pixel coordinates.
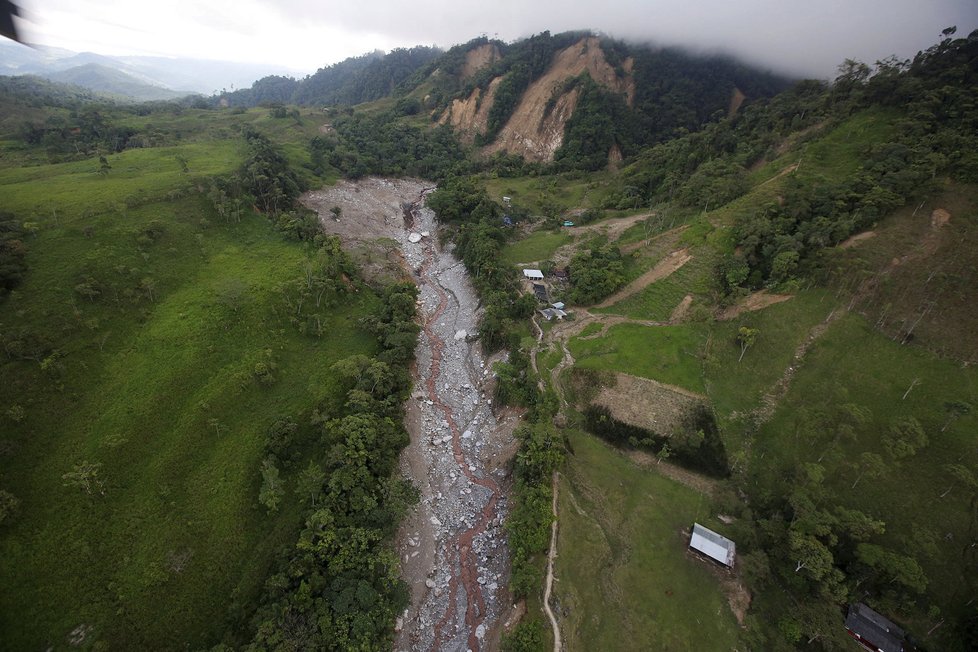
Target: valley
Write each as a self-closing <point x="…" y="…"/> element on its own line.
<point x="449" y="350"/>
<point x="452" y="544"/>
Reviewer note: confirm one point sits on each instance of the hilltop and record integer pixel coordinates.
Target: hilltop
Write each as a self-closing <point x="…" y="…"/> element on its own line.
<point x="573" y="95"/>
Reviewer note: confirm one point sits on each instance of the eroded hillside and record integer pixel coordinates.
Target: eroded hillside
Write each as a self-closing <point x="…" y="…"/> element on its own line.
<point x="535" y="130"/>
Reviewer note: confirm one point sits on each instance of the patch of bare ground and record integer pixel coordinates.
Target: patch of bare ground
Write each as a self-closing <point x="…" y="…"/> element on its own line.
<point x="756" y="301"/>
<point x="470" y="116"/>
<point x="788" y="170"/>
<point x="736" y="100"/>
<point x="737" y="595"/>
<point x="791" y="141"/>
<point x="551" y="555"/>
<point x="478" y="58"/>
<point x="695" y="481"/>
<point x="536" y="128"/>
<point x="612" y="228"/>
<point x="773" y="396"/>
<point x="646" y="403"/>
<point x="371" y="214"/>
<point x="679" y="312"/>
<point x="370" y="209"/>
<point x="661" y="270"/>
<point x="852" y="241"/>
<point x="635" y="246"/>
<point x="919" y="275"/>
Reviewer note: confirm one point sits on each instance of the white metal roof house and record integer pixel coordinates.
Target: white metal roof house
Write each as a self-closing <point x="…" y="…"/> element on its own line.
<point x="534" y="274"/>
<point x="713" y="545"/>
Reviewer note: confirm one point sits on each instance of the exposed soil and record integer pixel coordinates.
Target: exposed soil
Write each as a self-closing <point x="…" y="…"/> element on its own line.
<point x="661" y="270"/>
<point x="939" y="217"/>
<point x="452" y="546"/>
<point x="695" y="481"/>
<point x="635" y="246"/>
<point x="789" y="142"/>
<point x="478" y="58"/>
<point x="646" y="403"/>
<point x="551" y="556"/>
<point x="788" y="170"/>
<point x="679" y="312"/>
<point x="736" y="100"/>
<point x="773" y="396"/>
<point x="536" y="130"/>
<point x="854" y="240"/>
<point x="756" y="301"/>
<point x="471" y="116"/>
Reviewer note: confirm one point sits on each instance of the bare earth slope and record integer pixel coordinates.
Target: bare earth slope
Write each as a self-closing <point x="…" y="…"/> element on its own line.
<point x="532" y="131"/>
<point x="536" y="135"/>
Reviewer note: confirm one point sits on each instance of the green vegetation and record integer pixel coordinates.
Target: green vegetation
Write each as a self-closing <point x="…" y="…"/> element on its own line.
<point x="172" y="411"/>
<point x="658" y="300"/>
<point x="627" y="581"/>
<point x="538" y="246"/>
<point x="201" y="403"/>
<point x="596" y="273"/>
<point x="669" y="354"/>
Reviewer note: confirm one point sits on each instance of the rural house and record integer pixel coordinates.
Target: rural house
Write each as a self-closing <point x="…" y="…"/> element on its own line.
<point x="873" y="631"/>
<point x="716" y="547"/>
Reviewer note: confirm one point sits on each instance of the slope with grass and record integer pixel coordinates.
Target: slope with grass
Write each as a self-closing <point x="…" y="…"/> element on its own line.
<point x="625" y="578"/>
<point x="148" y="353"/>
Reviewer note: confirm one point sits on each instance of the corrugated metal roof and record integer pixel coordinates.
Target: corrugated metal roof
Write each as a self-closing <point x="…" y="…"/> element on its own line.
<point x="869" y="626"/>
<point x="713" y="545"/>
<point x="532" y="273"/>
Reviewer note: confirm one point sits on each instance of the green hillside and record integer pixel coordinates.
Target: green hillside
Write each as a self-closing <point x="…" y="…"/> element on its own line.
<point x="771" y="328"/>
<point x="154" y="369"/>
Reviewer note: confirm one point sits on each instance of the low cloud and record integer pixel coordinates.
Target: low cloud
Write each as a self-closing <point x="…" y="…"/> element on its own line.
<point x="810" y="38"/>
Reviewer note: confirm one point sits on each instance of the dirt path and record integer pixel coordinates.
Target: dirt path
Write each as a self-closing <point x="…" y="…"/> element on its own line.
<point x="788" y="170"/>
<point x="612" y="228"/>
<point x="551" y="555"/>
<point x="661" y="270"/>
<point x="756" y="301"/>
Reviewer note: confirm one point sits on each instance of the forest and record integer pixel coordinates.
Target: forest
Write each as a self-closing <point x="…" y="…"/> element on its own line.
<point x="189" y="360"/>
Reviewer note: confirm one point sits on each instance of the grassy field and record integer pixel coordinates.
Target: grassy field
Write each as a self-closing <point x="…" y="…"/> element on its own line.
<point x="657" y="301"/>
<point x="154" y="376"/>
<point x="907" y="496"/>
<point x="669" y="354"/>
<point x="538" y="246"/>
<point x="625" y="578"/>
<point x="737" y="386"/>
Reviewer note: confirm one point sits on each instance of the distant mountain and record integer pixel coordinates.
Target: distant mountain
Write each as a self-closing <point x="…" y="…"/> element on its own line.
<point x="182" y="75"/>
<point x="353" y="81"/>
<point x="103" y="79"/>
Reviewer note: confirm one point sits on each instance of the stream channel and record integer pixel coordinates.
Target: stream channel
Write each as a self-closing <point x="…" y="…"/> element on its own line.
<point x="452" y="544"/>
<point x="456" y="443"/>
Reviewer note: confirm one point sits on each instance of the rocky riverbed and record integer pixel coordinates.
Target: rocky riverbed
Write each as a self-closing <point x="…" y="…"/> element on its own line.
<point x="452" y="545"/>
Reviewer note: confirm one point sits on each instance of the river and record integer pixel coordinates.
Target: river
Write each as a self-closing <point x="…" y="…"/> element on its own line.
<point x="452" y="545"/>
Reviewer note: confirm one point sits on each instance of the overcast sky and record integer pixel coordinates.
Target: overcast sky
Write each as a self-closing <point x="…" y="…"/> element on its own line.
<point x="809" y="37"/>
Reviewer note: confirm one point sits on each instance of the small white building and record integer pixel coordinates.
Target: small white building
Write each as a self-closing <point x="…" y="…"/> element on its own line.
<point x="716" y="547"/>
<point x="533" y="274"/>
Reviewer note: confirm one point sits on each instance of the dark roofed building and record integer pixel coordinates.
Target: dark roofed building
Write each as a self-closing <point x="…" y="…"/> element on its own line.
<point x="540" y="291"/>
<point x="873" y="631"/>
